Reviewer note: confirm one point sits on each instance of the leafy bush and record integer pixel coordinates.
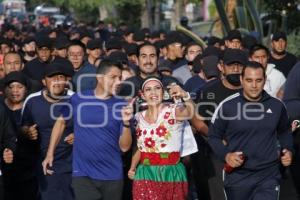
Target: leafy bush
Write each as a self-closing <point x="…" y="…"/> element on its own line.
<point x="293" y="42"/>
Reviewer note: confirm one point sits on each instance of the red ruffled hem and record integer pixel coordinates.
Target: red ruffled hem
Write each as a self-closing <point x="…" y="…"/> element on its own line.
<point x="152" y="190"/>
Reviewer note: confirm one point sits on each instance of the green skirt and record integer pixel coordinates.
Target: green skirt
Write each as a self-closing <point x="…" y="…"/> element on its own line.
<point x="161" y="182"/>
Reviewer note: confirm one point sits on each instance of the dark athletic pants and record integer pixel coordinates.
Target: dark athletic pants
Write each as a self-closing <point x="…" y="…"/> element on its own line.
<point x="25" y="190"/>
<point x="295" y="166"/>
<point x="56" y="187"/>
<point x="86" y="188"/>
<point x="1" y="188"/>
<point x="268" y="190"/>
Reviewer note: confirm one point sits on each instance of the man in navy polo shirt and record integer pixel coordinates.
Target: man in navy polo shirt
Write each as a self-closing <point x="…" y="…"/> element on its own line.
<point x="101" y="128"/>
<point x="39" y="113"/>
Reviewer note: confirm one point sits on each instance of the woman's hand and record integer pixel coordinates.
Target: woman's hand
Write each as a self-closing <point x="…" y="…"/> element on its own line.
<point x="131" y="173"/>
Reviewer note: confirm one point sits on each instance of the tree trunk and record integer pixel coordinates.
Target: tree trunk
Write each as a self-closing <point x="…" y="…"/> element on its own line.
<point x="157" y="15"/>
<point x="178" y="11"/>
<point x="205" y="10"/>
<point x="147" y="14"/>
<point x="102" y="12"/>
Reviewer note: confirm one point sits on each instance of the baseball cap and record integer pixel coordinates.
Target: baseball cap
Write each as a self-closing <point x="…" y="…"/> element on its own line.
<point x="249" y="41"/>
<point x="213" y="40"/>
<point x="54" y="69"/>
<point x="27" y="40"/>
<point x="118" y="56"/>
<point x="234" y="34"/>
<point x="173" y="37"/>
<point x="113" y="44"/>
<point x="154" y="34"/>
<point x="279" y="35"/>
<point x="131" y="49"/>
<point x="15" y="77"/>
<point x="210" y="66"/>
<point x="94" y="44"/>
<point x="235" y="56"/>
<point x="139" y="36"/>
<point x="212" y="50"/>
<point x="197" y="64"/>
<point x="61" y="43"/>
<point x="44" y="41"/>
<point x="7" y="42"/>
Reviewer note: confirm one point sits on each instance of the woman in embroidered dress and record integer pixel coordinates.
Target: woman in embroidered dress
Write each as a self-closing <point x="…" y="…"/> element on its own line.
<point x="160" y="175"/>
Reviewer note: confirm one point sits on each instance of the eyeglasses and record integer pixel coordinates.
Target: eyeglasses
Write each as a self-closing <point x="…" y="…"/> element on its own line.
<point x="75" y="54"/>
<point x="12" y="63"/>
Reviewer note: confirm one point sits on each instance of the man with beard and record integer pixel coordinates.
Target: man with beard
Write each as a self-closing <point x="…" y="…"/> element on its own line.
<point x="39" y="113"/>
<point x="209" y="98"/>
<point x="28" y="48"/>
<point x="35" y="68"/>
<point x="147" y="60"/>
<point x="283" y="60"/>
<point x="19" y="177"/>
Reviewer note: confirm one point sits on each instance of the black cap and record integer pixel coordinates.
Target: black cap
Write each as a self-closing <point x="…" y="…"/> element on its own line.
<point x="94" y="44"/>
<point x="27" y="40"/>
<point x="154" y="34"/>
<point x="9" y="27"/>
<point x="61" y="43"/>
<point x="54" y="68"/>
<point x="131" y="49"/>
<point x="234" y="34"/>
<point x="213" y="40"/>
<point x="66" y="65"/>
<point x="84" y="33"/>
<point x="118" y="56"/>
<point x="44" y="41"/>
<point x="249" y="41"/>
<point x="139" y="36"/>
<point x="7" y="42"/>
<point x="113" y="44"/>
<point x="16" y="76"/>
<point x="212" y="50"/>
<point x="160" y="44"/>
<point x="210" y="66"/>
<point x="279" y="35"/>
<point x="235" y="56"/>
<point x="173" y="37"/>
<point x="127" y="32"/>
<point x="197" y="64"/>
<point x="165" y="66"/>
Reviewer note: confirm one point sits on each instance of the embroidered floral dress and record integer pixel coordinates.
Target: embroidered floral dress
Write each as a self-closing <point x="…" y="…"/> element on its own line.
<point x="160" y="175"/>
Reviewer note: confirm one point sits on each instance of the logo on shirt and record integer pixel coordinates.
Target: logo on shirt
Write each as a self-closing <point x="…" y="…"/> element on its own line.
<point x="269" y="111"/>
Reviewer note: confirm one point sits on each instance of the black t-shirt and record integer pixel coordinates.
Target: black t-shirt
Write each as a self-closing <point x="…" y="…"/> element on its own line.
<point x="210" y="97"/>
<point x="25" y="158"/>
<point x="194" y="84"/>
<point x="35" y="68"/>
<point x="285" y="64"/>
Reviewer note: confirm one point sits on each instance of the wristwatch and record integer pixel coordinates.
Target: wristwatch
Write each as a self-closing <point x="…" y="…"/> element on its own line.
<point x="188" y="97"/>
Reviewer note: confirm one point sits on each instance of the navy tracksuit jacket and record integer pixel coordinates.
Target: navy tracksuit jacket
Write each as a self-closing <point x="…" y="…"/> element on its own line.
<point x="258" y="129"/>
